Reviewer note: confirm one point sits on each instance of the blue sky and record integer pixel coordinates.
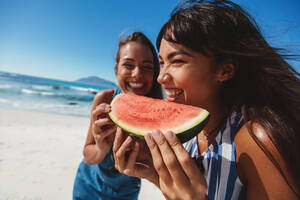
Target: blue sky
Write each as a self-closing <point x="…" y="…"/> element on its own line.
<point x="68" y="40"/>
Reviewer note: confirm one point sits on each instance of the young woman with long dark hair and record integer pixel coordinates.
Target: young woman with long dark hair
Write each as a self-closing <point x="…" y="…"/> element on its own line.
<point x="214" y="56"/>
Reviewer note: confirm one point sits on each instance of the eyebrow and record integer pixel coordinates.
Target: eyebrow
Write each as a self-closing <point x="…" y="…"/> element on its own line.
<point x="144" y="61"/>
<point x="178" y="52"/>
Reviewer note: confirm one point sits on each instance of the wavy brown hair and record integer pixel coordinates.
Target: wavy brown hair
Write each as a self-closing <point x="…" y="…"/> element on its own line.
<point x="265" y="88"/>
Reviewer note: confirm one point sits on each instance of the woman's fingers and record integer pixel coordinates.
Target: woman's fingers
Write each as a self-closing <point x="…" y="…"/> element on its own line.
<point x="104" y="132"/>
<point x="101" y="111"/>
<point x="132" y="159"/>
<point x="116" y="145"/>
<point x="119" y="139"/>
<point x="171" y="160"/>
<point x="157" y="158"/>
<point x="120" y="154"/>
<point x="187" y="164"/>
<point x="108" y="133"/>
<point x="102" y="125"/>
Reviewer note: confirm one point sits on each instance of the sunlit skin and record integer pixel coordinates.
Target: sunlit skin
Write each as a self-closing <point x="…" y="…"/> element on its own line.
<point x="134" y="70"/>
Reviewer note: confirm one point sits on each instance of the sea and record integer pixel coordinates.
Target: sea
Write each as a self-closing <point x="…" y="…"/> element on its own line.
<point x="18" y="91"/>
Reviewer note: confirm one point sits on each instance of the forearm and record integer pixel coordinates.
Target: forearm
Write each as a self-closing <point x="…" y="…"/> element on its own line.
<point x="93" y="154"/>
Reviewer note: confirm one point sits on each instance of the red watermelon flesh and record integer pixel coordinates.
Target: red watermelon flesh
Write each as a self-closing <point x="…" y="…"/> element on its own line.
<point x="139" y="115"/>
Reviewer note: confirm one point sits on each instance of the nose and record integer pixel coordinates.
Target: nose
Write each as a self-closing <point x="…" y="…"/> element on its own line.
<point x="163" y="77"/>
<point x="137" y="72"/>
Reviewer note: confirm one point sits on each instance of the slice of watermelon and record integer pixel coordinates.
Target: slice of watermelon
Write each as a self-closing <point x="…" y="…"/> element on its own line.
<point x="140" y="115"/>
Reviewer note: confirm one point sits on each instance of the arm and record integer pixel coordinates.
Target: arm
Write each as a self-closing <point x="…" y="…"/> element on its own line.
<point x="101" y="129"/>
<point x="263" y="179"/>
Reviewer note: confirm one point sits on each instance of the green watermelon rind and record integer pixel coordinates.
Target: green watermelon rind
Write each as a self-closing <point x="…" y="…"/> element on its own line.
<point x="192" y="132"/>
<point x="184" y="132"/>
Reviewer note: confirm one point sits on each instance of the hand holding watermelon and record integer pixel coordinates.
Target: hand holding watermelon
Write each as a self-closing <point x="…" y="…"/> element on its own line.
<point x="178" y="174"/>
<point x="132" y="157"/>
<point x="101" y="131"/>
<point x="103" y="127"/>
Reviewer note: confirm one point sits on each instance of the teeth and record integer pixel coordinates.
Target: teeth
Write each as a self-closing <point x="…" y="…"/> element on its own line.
<point x="136" y="85"/>
<point x="173" y="93"/>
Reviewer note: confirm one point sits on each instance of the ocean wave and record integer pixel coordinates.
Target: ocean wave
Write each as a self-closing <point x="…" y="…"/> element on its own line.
<point x="3" y="100"/>
<point x="47" y="93"/>
<point x="59" y="87"/>
<point x="27" y="91"/>
<point x="41" y="87"/>
<point x="59" y="95"/>
<point x="6" y="86"/>
<point x="89" y="90"/>
<point x="78" y="98"/>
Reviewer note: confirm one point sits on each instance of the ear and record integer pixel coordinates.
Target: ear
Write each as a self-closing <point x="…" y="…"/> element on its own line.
<point x="225" y="72"/>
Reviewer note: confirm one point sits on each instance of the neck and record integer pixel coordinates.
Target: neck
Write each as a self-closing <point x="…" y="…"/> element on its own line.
<point x="217" y="117"/>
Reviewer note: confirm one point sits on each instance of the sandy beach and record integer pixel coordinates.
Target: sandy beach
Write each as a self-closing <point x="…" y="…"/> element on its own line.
<point x="40" y="153"/>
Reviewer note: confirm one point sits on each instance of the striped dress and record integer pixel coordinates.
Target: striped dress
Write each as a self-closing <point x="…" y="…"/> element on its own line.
<point x="218" y="162"/>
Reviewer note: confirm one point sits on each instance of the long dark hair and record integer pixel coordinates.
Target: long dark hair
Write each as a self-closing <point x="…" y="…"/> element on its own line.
<point x="265" y="88"/>
<point x="156" y="90"/>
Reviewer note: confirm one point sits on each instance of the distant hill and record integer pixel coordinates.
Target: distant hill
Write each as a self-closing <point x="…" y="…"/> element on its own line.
<point x="94" y="80"/>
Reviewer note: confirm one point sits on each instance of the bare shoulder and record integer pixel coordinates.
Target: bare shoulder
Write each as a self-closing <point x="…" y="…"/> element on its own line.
<point x="246" y="143"/>
<point x="256" y="169"/>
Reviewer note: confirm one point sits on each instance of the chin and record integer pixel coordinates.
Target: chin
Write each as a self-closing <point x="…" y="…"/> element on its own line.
<point x="141" y="92"/>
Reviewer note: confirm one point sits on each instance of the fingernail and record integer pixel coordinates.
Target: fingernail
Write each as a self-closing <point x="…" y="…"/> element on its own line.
<point x="170" y="134"/>
<point x="128" y="139"/>
<point x="136" y="146"/>
<point x="148" y="137"/>
<point x="156" y="133"/>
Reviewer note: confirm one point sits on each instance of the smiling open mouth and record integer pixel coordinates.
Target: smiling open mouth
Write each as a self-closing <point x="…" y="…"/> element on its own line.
<point x="136" y="85"/>
<point x="173" y="92"/>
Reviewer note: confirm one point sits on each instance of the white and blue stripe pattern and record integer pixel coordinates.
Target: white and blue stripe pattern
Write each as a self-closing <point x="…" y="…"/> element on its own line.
<point x="219" y="162"/>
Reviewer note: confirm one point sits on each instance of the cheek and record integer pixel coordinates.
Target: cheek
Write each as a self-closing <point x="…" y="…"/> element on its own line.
<point x="121" y="78"/>
<point x="182" y="78"/>
<point x="203" y="91"/>
<point x="197" y="87"/>
<point x="120" y="72"/>
<point x="149" y="80"/>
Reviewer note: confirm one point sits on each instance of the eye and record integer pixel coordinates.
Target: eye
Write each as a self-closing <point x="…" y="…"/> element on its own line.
<point x="176" y="61"/>
<point x="128" y="65"/>
<point x="147" y="68"/>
